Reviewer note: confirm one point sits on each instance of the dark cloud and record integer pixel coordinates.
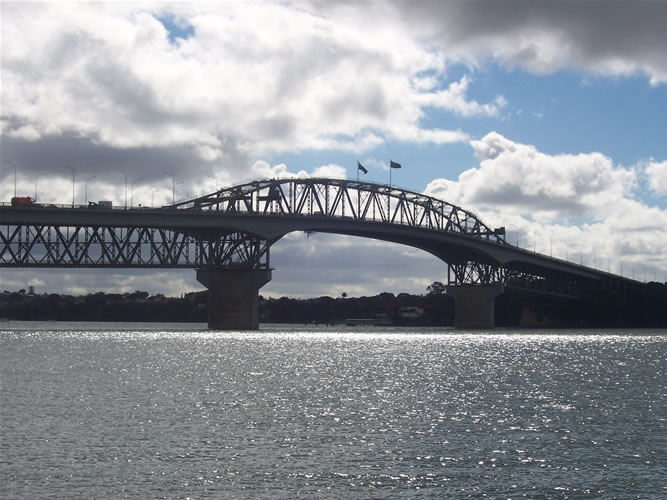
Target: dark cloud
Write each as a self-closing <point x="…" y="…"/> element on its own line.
<point x="90" y="158"/>
<point x="612" y="37"/>
<point x="277" y="127"/>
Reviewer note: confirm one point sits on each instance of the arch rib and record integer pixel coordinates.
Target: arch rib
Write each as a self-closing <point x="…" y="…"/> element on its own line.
<point x="327" y="198"/>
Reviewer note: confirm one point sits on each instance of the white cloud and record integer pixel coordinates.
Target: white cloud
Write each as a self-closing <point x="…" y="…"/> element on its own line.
<point x="657" y="176"/>
<point x="258" y="77"/>
<point x="324" y="264"/>
<point x="454" y="99"/>
<point x="332" y="171"/>
<point x="517" y="175"/>
<point x="171" y="282"/>
<point x="575" y="206"/>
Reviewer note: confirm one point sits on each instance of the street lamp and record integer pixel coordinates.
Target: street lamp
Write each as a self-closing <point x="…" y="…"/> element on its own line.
<point x="123" y="172"/>
<point x="173" y="187"/>
<point x="186" y="195"/>
<point x="88" y="179"/>
<point x="36" y="181"/>
<point x="132" y="192"/>
<point x="7" y="161"/>
<point x="73" y="178"/>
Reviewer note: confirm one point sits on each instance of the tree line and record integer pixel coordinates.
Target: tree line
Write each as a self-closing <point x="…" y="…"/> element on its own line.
<point x="646" y="308"/>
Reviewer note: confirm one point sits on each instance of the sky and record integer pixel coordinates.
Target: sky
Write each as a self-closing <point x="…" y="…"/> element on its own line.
<point x="548" y="118"/>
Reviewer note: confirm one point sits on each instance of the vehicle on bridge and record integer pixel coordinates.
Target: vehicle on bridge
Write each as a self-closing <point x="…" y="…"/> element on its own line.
<point x="22" y="201"/>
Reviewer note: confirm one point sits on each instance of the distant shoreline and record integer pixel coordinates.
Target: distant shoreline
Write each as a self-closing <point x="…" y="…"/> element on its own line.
<point x="513" y="309"/>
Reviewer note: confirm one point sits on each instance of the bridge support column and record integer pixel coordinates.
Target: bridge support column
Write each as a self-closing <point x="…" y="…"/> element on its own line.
<point x="474" y="305"/>
<point x="233" y="297"/>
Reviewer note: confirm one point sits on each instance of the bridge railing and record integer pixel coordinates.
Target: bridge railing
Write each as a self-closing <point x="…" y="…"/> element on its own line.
<point x="89" y="206"/>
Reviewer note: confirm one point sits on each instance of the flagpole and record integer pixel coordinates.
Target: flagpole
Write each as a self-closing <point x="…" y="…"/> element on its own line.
<point x="388" y="195"/>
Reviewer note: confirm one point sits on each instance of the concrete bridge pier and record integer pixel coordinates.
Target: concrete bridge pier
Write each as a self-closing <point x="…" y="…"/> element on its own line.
<point x="474" y="305"/>
<point x="233" y="297"/>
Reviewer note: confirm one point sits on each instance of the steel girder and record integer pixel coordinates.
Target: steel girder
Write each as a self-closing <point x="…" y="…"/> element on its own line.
<point x="96" y="246"/>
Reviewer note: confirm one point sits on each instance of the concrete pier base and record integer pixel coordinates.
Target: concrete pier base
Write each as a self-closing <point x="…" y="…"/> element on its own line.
<point x="474" y="305"/>
<point x="233" y="297"/>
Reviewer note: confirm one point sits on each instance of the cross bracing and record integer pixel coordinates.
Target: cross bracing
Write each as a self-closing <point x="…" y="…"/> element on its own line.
<point x="96" y="246"/>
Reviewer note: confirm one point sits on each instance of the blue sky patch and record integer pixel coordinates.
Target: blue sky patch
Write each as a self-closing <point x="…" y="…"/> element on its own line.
<point x="177" y="28"/>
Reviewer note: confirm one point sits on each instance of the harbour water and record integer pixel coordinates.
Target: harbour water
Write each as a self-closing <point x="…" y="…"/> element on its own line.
<point x="175" y="411"/>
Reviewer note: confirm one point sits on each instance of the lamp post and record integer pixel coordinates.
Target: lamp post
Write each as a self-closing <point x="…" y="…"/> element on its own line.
<point x="86" y="190"/>
<point x="7" y="161"/>
<point x="173" y="187"/>
<point x="186" y="196"/>
<point x="125" y="174"/>
<point x="36" y="181"/>
<point x="73" y="179"/>
<point x="132" y="192"/>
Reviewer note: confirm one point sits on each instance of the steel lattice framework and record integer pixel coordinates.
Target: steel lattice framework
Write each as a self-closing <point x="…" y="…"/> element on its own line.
<point x="95" y="246"/>
<point x="236" y="226"/>
<point x="343" y="198"/>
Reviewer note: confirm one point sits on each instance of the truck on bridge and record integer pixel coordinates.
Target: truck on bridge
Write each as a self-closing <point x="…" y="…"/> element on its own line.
<point x="22" y="201"/>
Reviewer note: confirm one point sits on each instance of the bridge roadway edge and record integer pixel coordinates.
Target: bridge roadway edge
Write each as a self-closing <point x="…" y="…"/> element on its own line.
<point x="272" y="226"/>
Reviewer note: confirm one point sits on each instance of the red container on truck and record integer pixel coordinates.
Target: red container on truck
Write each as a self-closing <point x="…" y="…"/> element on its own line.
<point x="22" y="201"/>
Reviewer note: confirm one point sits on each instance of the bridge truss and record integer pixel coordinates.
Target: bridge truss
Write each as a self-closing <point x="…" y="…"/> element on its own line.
<point x="26" y="243"/>
<point x="95" y="246"/>
<point x="360" y="201"/>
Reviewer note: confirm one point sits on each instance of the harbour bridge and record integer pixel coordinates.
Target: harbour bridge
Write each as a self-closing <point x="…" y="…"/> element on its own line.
<point x="227" y="236"/>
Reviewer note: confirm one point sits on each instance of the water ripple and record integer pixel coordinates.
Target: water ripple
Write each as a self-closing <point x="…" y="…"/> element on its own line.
<point x="137" y="411"/>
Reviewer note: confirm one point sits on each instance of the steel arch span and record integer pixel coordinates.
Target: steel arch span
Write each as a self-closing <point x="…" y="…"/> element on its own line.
<point x="361" y="202"/>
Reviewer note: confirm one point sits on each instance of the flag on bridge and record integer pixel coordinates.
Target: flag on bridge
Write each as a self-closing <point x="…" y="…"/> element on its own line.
<point x="392" y="165"/>
<point x="362" y="168"/>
